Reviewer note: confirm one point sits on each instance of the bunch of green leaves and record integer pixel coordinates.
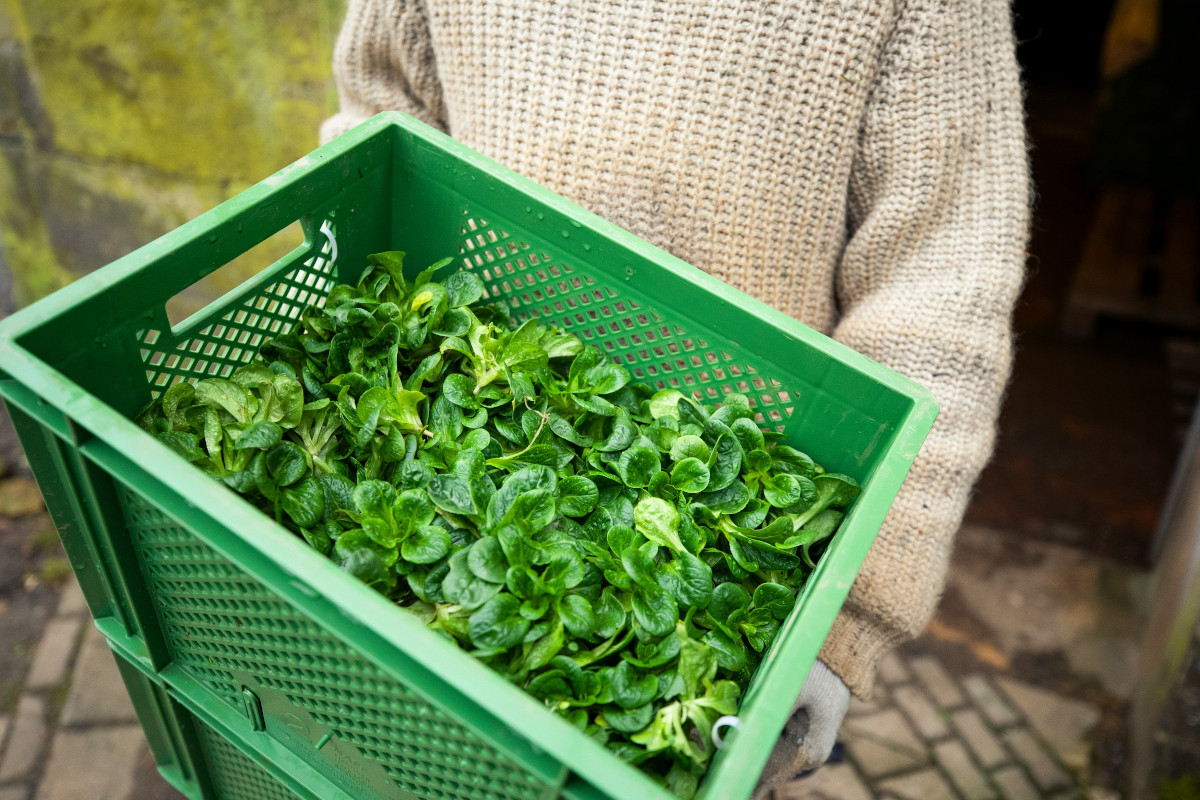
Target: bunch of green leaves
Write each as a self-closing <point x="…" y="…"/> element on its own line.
<point x="625" y="555"/>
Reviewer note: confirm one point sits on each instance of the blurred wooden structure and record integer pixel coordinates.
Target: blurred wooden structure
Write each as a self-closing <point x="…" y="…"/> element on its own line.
<point x="1140" y="261"/>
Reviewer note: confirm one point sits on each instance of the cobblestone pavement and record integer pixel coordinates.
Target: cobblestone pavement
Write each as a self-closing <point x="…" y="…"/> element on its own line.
<point x="74" y="735"/>
<point x="924" y="735"/>
<point x="956" y="715"/>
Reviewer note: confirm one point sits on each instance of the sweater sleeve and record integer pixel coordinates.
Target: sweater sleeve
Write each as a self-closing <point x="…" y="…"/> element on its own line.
<point x="938" y="221"/>
<point x="384" y="60"/>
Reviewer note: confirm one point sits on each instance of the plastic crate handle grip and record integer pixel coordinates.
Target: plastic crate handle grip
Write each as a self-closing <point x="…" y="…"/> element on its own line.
<point x="191" y="307"/>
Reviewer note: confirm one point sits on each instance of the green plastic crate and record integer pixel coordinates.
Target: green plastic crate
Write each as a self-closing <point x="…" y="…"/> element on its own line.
<point x="216" y="604"/>
<point x="169" y="728"/>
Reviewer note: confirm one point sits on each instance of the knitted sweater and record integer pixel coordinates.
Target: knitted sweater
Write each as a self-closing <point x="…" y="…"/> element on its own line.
<point x="857" y="164"/>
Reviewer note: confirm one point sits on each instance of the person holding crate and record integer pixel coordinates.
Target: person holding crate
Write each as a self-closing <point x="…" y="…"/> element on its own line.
<point x="860" y="166"/>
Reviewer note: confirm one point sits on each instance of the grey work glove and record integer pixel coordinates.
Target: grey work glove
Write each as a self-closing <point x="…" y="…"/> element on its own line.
<point x="811" y="731"/>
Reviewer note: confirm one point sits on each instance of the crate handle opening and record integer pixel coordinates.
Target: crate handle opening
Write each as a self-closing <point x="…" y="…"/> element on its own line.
<point x="227" y="279"/>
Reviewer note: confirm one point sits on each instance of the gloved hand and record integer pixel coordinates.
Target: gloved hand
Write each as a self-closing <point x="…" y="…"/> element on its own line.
<point x="811" y="731"/>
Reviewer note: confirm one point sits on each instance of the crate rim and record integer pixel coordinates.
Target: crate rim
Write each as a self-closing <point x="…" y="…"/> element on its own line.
<point x="117" y="437"/>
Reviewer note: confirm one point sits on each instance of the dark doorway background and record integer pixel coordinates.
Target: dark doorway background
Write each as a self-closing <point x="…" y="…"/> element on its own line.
<point x="1087" y="437"/>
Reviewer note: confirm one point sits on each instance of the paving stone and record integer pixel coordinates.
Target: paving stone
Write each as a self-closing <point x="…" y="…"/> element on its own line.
<point x="19" y="497"/>
<point x="1075" y="794"/>
<point x="888" y="727"/>
<point x="53" y="653"/>
<point x="965" y="776"/>
<point x="14" y="793"/>
<point x="1046" y="772"/>
<point x="928" y="784"/>
<point x="72" y="773"/>
<point x="868" y="705"/>
<point x="832" y="782"/>
<point x="1063" y="722"/>
<point x="1014" y="784"/>
<point x="26" y="738"/>
<point x="151" y="785"/>
<point x="892" y="669"/>
<point x="883" y="743"/>
<point x="1113" y="660"/>
<point x="98" y="693"/>
<point x="988" y="700"/>
<point x="924" y="716"/>
<point x="979" y="738"/>
<point x="875" y="759"/>
<point x="72" y="601"/>
<point x="941" y="686"/>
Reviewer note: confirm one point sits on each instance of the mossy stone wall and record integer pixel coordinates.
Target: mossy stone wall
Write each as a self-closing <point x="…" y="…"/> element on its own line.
<point x="122" y="119"/>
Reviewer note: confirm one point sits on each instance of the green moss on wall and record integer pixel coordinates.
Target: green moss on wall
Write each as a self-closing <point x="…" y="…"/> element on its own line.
<point x="206" y="91"/>
<point x="35" y="269"/>
<point x="135" y="116"/>
<point x="98" y="212"/>
<point x="1186" y="787"/>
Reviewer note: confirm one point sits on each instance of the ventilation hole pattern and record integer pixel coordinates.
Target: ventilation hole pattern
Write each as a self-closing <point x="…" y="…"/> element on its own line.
<point x="218" y="348"/>
<point x="217" y="619"/>
<point x="655" y="351"/>
<point x="234" y="775"/>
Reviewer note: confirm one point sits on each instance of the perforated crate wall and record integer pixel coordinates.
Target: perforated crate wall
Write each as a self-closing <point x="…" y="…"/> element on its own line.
<point x="656" y="351"/>
<point x="207" y="349"/>
<point x="220" y="623"/>
<point x="234" y="775"/>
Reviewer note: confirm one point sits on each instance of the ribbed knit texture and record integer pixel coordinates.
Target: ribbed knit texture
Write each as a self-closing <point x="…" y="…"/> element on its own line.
<point x="857" y="164"/>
